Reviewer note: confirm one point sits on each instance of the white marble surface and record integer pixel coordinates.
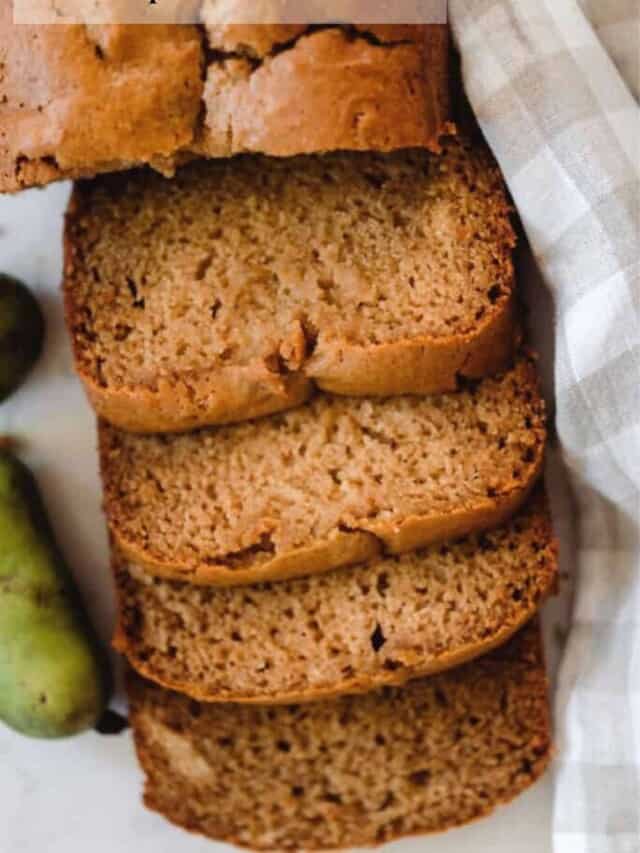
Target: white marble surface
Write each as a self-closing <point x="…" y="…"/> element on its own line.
<point x="83" y="794"/>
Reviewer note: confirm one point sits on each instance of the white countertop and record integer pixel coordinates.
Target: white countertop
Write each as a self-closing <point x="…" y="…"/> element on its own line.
<point x="83" y="794"/>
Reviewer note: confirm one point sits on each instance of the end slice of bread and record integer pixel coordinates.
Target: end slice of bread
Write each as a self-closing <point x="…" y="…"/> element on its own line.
<point x="231" y="290"/>
<point x="347" y="631"/>
<point x="352" y="772"/>
<point x="332" y="483"/>
<point x="78" y="100"/>
<point x="72" y="104"/>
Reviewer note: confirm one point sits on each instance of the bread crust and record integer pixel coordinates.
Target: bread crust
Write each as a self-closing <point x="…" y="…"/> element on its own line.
<point x="331" y="89"/>
<point x="72" y="100"/>
<point x="259" y="40"/>
<point x="231" y="394"/>
<point x="348" y="548"/>
<point x="421" y="365"/>
<point x="72" y="105"/>
<point x="343" y="548"/>
<point x="185" y="402"/>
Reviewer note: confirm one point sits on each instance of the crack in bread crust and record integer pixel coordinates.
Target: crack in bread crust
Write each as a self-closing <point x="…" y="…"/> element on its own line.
<point x="59" y="121"/>
<point x="257" y="58"/>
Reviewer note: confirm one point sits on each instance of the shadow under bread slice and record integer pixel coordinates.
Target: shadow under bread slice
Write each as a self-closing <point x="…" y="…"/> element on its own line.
<point x="231" y="290"/>
<point x="347" y="631"/>
<point x="351" y="772"/>
<point x="333" y="483"/>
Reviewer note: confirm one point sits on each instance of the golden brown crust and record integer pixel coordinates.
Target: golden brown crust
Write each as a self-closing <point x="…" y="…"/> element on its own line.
<point x="343" y="548"/>
<point x="347" y="548"/>
<point x="190" y="401"/>
<point x="332" y="89"/>
<point x="419" y="366"/>
<point x="418" y="531"/>
<point x="255" y="40"/>
<point x="78" y="100"/>
<point x="72" y="104"/>
<point x="491" y="762"/>
<point x="185" y="402"/>
<point x="259" y="40"/>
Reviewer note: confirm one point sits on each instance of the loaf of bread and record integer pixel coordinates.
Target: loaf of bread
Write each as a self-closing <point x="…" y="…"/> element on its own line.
<point x="329" y="484"/>
<point x="229" y="291"/>
<point x="79" y="100"/>
<point x="352" y="772"/>
<point x="348" y="631"/>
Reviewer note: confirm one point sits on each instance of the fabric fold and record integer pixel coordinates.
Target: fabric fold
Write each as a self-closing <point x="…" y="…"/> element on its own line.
<point x="546" y="83"/>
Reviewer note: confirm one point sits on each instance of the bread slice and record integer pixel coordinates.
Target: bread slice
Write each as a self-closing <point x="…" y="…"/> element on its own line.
<point x="80" y="100"/>
<point x="333" y="483"/>
<point x="348" y="631"/>
<point x="352" y="772"/>
<point x="228" y="292"/>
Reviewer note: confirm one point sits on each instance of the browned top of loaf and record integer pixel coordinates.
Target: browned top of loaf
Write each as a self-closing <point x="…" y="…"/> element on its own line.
<point x="77" y="101"/>
<point x="352" y="772"/>
<point x="326" y="484"/>
<point x="356" y="87"/>
<point x="346" y="631"/>
<point x="282" y="267"/>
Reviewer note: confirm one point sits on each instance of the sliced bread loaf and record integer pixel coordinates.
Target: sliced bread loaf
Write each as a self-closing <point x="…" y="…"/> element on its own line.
<point x="350" y="772"/>
<point x="329" y="484"/>
<point x="229" y="291"/>
<point x="79" y="100"/>
<point x="347" y="631"/>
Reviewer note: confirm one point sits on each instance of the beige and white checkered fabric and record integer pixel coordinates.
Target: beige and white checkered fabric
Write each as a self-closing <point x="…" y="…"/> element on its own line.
<point x="554" y="84"/>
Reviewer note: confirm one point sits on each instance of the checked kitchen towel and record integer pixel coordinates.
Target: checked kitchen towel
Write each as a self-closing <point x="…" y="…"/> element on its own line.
<point x="554" y="84"/>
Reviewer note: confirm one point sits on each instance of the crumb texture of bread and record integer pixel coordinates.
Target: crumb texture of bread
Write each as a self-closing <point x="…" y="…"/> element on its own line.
<point x="352" y="772"/>
<point x="76" y="101"/>
<point x="331" y="483"/>
<point x="347" y="631"/>
<point x="228" y="291"/>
